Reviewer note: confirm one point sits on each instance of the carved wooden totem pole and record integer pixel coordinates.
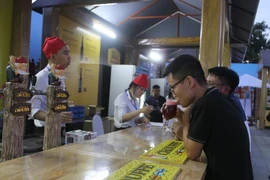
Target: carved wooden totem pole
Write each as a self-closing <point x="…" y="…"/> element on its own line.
<point x="56" y="103"/>
<point x="16" y="107"/>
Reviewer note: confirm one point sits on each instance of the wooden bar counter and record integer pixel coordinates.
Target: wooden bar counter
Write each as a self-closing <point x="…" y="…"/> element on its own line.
<point x="94" y="159"/>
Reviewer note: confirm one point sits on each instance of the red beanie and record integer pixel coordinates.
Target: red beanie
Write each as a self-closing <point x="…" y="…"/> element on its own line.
<point x="141" y="80"/>
<point x="52" y="45"/>
<point x="20" y="60"/>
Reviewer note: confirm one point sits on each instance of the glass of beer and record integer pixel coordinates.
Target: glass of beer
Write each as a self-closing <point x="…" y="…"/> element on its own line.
<point x="169" y="112"/>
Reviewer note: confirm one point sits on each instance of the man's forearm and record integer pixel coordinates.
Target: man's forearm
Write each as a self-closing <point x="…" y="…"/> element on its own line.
<point x="185" y="133"/>
<point x="40" y="115"/>
<point x="179" y="133"/>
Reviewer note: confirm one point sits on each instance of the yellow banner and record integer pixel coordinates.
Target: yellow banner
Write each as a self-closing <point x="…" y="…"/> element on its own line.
<point x="82" y="75"/>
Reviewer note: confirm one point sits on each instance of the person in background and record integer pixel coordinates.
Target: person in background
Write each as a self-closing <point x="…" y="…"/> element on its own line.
<point x="156" y="100"/>
<point x="170" y="95"/>
<point x="226" y="81"/>
<point x="31" y="72"/>
<point x="126" y="105"/>
<point x="57" y="52"/>
<point x="210" y="122"/>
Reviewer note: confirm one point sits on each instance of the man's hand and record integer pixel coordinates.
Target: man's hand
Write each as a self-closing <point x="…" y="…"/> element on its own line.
<point x="177" y="130"/>
<point x="66" y="117"/>
<point x="162" y="109"/>
<point x="183" y="115"/>
<point x="179" y="116"/>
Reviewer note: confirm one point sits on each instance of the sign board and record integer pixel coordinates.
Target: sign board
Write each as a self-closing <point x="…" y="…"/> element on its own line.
<point x="60" y="107"/>
<point x="60" y="95"/>
<point x="21" y="109"/>
<point x="113" y="56"/>
<point x="21" y="94"/>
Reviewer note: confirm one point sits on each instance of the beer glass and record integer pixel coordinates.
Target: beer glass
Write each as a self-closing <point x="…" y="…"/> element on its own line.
<point x="169" y="112"/>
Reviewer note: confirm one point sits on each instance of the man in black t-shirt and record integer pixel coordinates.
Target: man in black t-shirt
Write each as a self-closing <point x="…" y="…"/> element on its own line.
<point x="156" y="100"/>
<point x="210" y="122"/>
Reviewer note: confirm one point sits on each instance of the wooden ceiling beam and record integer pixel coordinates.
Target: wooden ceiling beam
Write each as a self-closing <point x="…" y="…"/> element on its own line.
<point x="168" y="42"/>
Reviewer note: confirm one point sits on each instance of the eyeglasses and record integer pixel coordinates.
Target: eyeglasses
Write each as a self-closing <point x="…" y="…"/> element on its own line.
<point x="214" y="85"/>
<point x="173" y="86"/>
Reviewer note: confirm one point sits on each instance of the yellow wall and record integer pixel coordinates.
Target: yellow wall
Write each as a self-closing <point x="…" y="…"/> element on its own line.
<point x="6" y="10"/>
<point x="72" y="33"/>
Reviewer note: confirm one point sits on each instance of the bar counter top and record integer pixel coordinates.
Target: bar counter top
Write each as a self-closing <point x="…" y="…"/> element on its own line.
<point x="96" y="158"/>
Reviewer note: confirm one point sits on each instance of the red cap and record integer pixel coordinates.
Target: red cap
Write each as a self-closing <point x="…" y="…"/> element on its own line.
<point x="141" y="80"/>
<point x="20" y="60"/>
<point x="52" y="45"/>
<point x="60" y="67"/>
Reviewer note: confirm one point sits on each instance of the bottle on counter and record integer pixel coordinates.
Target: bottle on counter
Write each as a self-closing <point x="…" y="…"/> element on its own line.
<point x="80" y="82"/>
<point x="81" y="50"/>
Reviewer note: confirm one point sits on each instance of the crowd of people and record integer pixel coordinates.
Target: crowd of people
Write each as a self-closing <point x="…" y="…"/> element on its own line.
<point x="212" y="120"/>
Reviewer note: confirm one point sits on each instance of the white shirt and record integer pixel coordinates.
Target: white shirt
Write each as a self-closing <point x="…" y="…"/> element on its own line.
<point x="124" y="104"/>
<point x="39" y="102"/>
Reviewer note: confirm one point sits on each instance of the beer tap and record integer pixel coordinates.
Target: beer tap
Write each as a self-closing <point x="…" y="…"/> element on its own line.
<point x="34" y="90"/>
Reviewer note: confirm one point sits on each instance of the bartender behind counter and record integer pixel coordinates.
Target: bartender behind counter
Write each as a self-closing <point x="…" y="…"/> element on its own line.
<point x="57" y="52"/>
<point x="126" y="106"/>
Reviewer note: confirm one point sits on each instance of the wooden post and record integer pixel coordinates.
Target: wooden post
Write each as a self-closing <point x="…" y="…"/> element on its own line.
<point x="5" y="32"/>
<point x="50" y="24"/>
<point x="263" y="101"/>
<point x="21" y="26"/>
<point x="227" y="48"/>
<point x="15" y="104"/>
<point x="52" y="129"/>
<point x="13" y="127"/>
<point x="56" y="103"/>
<point x="227" y="55"/>
<point x="212" y="33"/>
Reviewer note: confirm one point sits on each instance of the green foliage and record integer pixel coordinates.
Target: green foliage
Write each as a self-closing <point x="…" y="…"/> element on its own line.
<point x="258" y="41"/>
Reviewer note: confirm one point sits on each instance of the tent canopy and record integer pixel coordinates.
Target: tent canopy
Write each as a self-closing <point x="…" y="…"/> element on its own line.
<point x="248" y="80"/>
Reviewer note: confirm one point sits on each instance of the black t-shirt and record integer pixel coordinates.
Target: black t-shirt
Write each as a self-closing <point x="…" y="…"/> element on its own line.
<point x="156" y="115"/>
<point x="215" y="122"/>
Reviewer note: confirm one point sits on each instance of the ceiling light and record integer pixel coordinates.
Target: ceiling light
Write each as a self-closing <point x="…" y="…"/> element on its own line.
<point x="155" y="56"/>
<point x="100" y="27"/>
